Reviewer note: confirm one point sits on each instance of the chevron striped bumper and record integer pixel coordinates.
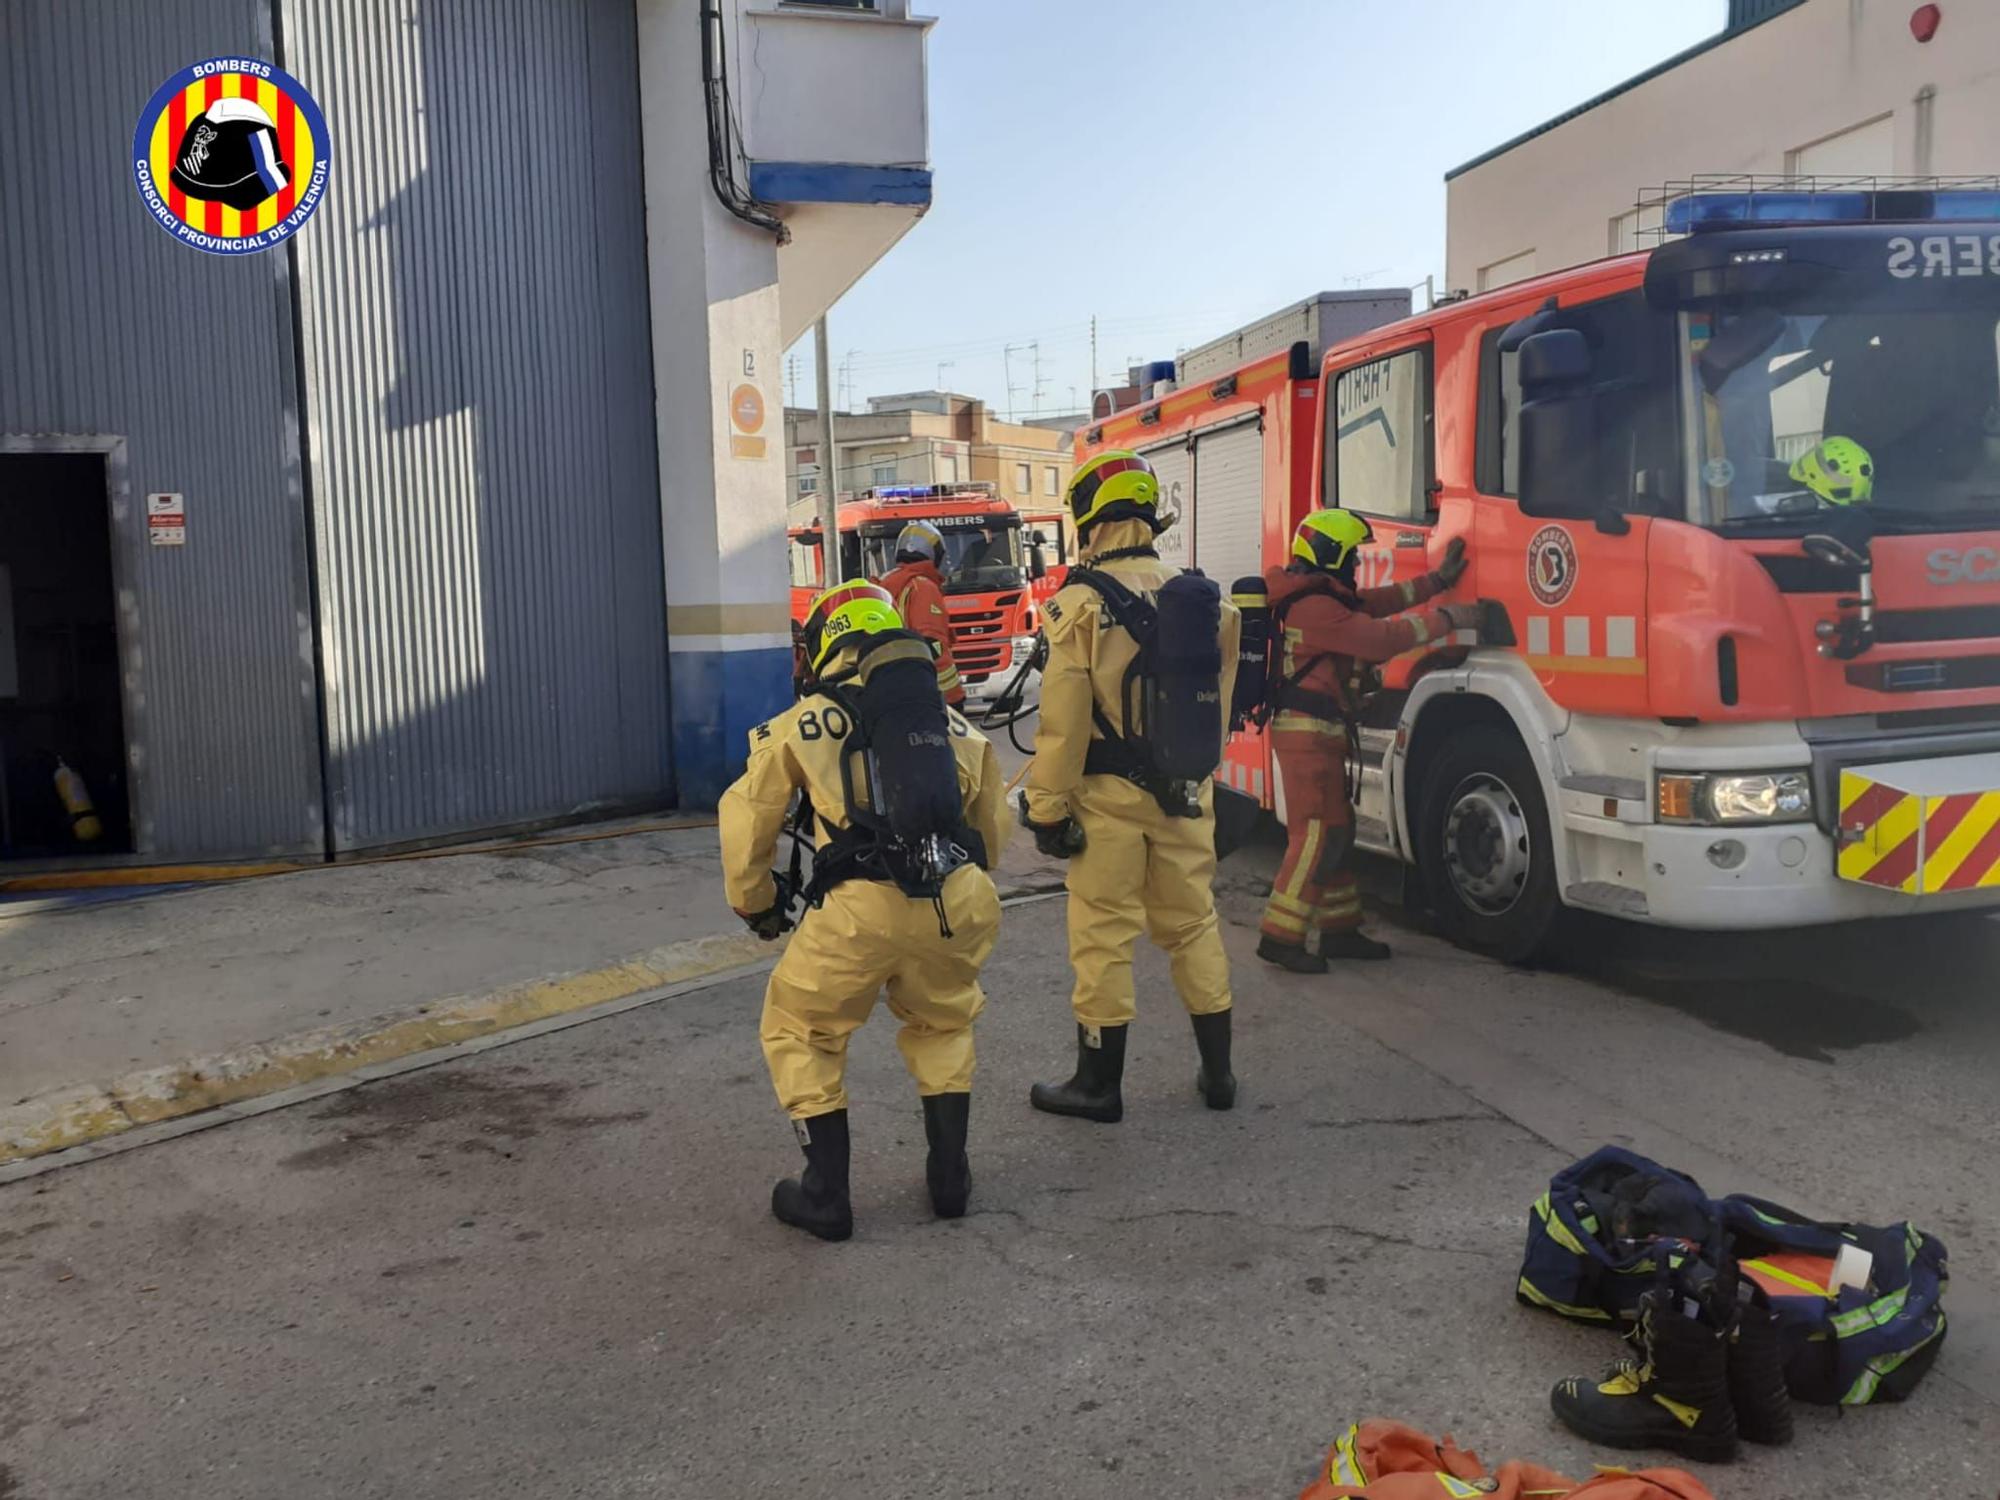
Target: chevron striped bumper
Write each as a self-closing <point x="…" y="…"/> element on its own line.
<point x="1922" y="827"/>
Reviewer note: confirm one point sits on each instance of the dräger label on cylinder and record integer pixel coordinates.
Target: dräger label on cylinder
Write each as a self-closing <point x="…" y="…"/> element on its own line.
<point x="1944" y="255"/>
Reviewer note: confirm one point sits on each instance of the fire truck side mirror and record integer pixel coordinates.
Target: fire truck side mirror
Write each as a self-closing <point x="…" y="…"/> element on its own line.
<point x="1038" y="563"/>
<point x="1558" y="427"/>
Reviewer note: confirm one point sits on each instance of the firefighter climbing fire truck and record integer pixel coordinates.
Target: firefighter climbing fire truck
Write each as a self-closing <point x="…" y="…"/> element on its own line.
<point x="996" y="569"/>
<point x="1737" y="500"/>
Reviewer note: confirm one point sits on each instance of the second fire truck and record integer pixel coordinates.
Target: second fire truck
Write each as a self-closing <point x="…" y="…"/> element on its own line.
<point x="1738" y="500"/>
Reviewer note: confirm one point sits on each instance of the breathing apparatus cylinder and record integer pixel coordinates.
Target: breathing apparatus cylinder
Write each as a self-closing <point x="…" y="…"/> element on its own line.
<point x="1252" y="598"/>
<point x="83" y="820"/>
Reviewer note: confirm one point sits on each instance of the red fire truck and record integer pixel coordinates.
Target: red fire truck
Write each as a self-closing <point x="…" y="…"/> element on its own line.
<point x="996" y="570"/>
<point x="1725" y="692"/>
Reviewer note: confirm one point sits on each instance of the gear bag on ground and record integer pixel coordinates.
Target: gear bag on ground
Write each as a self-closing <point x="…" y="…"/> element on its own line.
<point x="1613" y="1223"/>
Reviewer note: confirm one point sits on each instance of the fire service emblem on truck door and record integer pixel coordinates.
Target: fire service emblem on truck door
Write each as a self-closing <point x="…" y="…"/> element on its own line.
<point x="1551" y="565"/>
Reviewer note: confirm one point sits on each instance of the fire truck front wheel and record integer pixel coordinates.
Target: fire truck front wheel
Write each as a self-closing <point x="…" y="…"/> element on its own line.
<point x="1483" y="846"/>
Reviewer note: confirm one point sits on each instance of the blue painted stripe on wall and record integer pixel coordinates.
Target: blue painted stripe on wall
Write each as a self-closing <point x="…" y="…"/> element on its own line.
<point x="718" y="698"/>
<point x="838" y="182"/>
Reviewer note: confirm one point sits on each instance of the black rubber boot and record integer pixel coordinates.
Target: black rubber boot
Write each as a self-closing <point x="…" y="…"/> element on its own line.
<point x="1676" y="1397"/>
<point x="1351" y="942"/>
<point x="948" y="1171"/>
<point x="1757" y="1378"/>
<point x="1216" y="1083"/>
<point x="1291" y="956"/>
<point x="1093" y="1093"/>
<point x="816" y="1199"/>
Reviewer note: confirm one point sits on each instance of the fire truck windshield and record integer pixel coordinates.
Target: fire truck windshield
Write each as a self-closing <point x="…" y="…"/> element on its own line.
<point x="981" y="554"/>
<point x="1915" y="392"/>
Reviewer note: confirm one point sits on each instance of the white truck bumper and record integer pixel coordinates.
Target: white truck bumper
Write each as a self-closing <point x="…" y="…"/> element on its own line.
<point x="1785" y="877"/>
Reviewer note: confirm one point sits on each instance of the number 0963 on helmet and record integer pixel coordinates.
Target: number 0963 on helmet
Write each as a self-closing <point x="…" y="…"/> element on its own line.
<point x="845" y="613"/>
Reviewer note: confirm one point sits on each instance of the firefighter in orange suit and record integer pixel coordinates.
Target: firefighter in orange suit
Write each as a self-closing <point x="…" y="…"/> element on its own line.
<point x="1134" y="866"/>
<point x="1327" y="627"/>
<point x="916" y="585"/>
<point x="865" y="935"/>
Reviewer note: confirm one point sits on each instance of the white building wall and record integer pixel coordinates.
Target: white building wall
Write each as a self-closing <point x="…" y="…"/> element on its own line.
<point x="718" y="315"/>
<point x="714" y="296"/>
<point x="1835" y="86"/>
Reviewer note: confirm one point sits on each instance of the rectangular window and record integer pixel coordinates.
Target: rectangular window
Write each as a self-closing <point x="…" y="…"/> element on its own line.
<point x="805" y="565"/>
<point x="808" y="483"/>
<point x="1023" y="479"/>
<point x="1633" y="367"/>
<point x="1497" y="458"/>
<point x="1864" y="150"/>
<point x="881" y="468"/>
<point x="1378" y="437"/>
<point x="947" y="468"/>
<point x="1051" y="481"/>
<point x="1501" y="272"/>
<point x="1624" y="235"/>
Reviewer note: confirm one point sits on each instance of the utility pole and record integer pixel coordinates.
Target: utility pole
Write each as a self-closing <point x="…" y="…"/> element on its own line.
<point x="1093" y="356"/>
<point x="1007" y="364"/>
<point x="791" y="380"/>
<point x="829" y="469"/>
<point x="1035" y="396"/>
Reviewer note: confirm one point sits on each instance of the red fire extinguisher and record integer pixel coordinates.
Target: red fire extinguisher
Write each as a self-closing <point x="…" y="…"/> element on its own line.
<point x="83" y="819"/>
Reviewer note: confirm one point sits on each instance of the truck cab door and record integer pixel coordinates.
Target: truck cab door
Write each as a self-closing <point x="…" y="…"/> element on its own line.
<point x="1378" y="460"/>
<point x="1573" y="578"/>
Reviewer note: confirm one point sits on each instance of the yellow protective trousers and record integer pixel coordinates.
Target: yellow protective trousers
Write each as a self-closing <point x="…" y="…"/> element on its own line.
<point x="1142" y="871"/>
<point x="867" y="936"/>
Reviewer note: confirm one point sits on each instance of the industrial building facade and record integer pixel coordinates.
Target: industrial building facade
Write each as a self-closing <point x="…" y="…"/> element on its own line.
<point x="470" y="506"/>
<point x="1815" y="91"/>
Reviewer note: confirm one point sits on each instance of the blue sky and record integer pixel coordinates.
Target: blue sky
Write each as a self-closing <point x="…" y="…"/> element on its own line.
<point x="1179" y="167"/>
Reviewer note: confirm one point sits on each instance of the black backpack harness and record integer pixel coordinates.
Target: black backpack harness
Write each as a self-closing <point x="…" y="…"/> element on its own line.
<point x="1172" y="774"/>
<point x="914" y="844"/>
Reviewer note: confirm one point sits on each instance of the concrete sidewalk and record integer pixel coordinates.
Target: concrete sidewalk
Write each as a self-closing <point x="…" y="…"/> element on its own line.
<point x="114" y="1014"/>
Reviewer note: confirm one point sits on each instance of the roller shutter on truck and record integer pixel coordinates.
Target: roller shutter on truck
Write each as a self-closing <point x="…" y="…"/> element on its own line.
<point x="1229" y="491"/>
<point x="1174" y="463"/>
<point x="1212" y="485"/>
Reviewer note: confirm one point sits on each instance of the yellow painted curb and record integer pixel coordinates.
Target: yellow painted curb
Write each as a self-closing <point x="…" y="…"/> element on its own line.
<point x="79" y="1114"/>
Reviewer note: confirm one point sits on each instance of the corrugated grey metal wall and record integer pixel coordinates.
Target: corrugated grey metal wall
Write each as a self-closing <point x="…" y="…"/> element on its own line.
<point x="479" y="389"/>
<point x="109" y="328"/>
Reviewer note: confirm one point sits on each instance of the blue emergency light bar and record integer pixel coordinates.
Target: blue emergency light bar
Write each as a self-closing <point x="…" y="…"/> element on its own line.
<point x="1701" y="212"/>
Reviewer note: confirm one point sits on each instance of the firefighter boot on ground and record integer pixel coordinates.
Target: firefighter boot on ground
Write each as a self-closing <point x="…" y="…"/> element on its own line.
<point x="948" y="1171"/>
<point x="816" y="1200"/>
<point x="1215" y="1082"/>
<point x="1757" y="1377"/>
<point x="1293" y="956"/>
<point x="1676" y="1396"/>
<point x="1351" y="942"/>
<point x="1093" y="1094"/>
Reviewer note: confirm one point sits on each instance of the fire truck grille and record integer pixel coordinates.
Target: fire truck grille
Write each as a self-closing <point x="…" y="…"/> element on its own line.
<point x="1965" y="623"/>
<point x="979" y="642"/>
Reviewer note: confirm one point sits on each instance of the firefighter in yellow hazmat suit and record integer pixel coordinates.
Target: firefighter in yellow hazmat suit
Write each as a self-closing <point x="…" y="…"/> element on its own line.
<point x="868" y="934"/>
<point x="1136" y="865"/>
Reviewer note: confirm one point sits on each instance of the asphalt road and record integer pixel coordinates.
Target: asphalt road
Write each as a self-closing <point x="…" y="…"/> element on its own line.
<point x="550" y="1269"/>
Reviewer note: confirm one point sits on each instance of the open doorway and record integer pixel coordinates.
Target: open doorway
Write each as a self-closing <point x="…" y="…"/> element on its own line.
<point x="63" y="783"/>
